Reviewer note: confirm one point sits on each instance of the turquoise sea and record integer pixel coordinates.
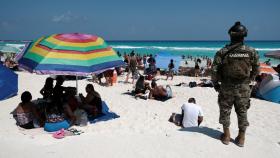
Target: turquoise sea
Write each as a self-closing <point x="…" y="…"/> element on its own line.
<point x="194" y="48"/>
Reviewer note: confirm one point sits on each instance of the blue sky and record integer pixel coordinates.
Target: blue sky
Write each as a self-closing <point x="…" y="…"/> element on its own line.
<point x="139" y="19"/>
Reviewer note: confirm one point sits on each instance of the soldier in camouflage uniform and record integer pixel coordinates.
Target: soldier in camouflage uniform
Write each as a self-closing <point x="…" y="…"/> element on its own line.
<point x="234" y="67"/>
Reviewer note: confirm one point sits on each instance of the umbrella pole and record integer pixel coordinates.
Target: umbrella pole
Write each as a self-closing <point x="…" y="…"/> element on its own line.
<point x="77" y="84"/>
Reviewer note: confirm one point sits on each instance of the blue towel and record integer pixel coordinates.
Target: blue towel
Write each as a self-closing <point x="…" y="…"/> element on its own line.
<point x="105" y="116"/>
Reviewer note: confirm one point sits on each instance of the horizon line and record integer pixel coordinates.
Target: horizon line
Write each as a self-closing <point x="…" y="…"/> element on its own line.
<point x="160" y="40"/>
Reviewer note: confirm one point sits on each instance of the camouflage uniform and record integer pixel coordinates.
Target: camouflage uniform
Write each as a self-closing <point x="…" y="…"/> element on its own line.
<point x="235" y="69"/>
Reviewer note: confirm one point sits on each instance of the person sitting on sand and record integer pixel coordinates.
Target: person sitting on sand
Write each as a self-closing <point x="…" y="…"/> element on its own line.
<point x="55" y="117"/>
<point x="141" y="87"/>
<point x="159" y="92"/>
<point x="192" y="114"/>
<point x="25" y="113"/>
<point x="92" y="103"/>
<point x="47" y="90"/>
<point x="70" y="104"/>
<point x="11" y="63"/>
<point x="59" y="90"/>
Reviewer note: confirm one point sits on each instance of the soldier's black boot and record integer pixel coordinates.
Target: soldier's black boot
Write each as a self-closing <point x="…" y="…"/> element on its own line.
<point x="225" y="137"/>
<point x="240" y="139"/>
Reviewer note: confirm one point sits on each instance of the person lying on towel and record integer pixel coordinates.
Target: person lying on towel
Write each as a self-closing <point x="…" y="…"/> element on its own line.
<point x="159" y="92"/>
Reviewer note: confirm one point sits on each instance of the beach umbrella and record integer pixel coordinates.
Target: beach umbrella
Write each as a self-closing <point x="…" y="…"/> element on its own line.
<point x="69" y="54"/>
<point x="273" y="54"/>
<point x="266" y="69"/>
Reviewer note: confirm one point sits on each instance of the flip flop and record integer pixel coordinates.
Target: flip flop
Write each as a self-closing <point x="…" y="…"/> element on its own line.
<point x="59" y="134"/>
<point x="75" y="131"/>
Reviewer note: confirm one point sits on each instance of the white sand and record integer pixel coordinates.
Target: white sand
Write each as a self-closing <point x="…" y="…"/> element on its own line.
<point x="143" y="129"/>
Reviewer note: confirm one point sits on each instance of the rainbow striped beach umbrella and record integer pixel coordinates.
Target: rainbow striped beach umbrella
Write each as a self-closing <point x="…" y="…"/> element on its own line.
<point x="69" y="54"/>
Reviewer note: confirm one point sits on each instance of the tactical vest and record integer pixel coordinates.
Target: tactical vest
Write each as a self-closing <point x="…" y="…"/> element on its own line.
<point x="236" y="64"/>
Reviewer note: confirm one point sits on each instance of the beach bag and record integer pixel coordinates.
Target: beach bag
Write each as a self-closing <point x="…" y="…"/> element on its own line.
<point x="192" y="84"/>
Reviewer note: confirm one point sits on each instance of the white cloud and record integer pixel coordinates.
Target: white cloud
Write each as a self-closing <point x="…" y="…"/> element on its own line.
<point x="68" y="17"/>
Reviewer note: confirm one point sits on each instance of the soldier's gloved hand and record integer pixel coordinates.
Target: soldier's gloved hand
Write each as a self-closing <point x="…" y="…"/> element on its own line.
<point x="217" y="87"/>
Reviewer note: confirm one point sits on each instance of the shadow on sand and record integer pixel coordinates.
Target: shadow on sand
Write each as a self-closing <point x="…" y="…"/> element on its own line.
<point x="213" y="133"/>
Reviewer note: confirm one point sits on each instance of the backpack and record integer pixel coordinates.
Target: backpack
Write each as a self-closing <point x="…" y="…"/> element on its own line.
<point x="236" y="63"/>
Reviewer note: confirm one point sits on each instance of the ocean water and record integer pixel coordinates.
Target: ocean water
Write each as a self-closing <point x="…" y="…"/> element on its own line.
<point x="194" y="48"/>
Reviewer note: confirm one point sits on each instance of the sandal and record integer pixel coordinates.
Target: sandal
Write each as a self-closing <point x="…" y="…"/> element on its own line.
<point x="75" y="131"/>
<point x="59" y="134"/>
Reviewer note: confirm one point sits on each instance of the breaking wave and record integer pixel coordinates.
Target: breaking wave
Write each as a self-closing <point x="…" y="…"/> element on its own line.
<point x="182" y="48"/>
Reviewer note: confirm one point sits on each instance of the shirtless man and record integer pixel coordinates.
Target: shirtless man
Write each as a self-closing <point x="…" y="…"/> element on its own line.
<point x="92" y="103"/>
<point x="159" y="92"/>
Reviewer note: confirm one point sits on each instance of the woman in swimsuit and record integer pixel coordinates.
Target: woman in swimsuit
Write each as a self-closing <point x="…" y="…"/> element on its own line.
<point x="25" y="112"/>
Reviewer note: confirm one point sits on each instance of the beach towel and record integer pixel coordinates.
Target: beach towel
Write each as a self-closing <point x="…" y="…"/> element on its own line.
<point x="105" y="116"/>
